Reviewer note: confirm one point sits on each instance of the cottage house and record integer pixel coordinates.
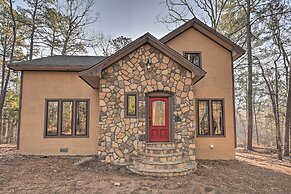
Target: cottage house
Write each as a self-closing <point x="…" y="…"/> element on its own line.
<point x="157" y="105"/>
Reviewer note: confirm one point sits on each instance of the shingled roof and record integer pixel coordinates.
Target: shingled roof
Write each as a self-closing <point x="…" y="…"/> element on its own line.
<point x="58" y="63"/>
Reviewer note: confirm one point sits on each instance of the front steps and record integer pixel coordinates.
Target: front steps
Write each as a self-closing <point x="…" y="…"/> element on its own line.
<point x="162" y="159"/>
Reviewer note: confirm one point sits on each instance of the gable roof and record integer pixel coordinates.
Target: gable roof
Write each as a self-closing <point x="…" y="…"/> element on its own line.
<point x="94" y="72"/>
<point x="58" y="63"/>
<point x="236" y="50"/>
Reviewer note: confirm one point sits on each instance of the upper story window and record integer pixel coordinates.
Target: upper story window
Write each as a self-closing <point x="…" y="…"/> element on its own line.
<point x="193" y="57"/>
<point x="210" y="117"/>
<point x="67" y="117"/>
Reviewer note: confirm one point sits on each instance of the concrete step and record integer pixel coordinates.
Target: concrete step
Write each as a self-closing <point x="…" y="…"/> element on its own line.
<point x="161" y="157"/>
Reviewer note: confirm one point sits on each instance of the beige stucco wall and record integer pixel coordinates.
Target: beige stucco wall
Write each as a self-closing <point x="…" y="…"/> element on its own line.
<point x="218" y="83"/>
<point x="37" y="86"/>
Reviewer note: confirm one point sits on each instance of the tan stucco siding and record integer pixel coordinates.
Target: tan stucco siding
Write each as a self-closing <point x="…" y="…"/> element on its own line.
<point x="218" y="83"/>
<point x="38" y="86"/>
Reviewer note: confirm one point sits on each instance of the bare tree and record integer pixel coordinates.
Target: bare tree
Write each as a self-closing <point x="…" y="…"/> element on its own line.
<point x="184" y="10"/>
<point x="5" y="71"/>
<point x="76" y="15"/>
<point x="101" y="44"/>
<point x="32" y="19"/>
<point x="250" y="78"/>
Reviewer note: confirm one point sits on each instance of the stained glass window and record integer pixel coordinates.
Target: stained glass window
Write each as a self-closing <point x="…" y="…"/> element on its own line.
<point x="131" y="109"/>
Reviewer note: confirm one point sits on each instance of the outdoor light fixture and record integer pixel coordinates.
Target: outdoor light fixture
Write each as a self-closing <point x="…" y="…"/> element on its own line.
<point x="148" y="64"/>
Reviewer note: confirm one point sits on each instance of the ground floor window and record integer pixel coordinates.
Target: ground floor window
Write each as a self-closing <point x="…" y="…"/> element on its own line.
<point x="67" y="117"/>
<point x="131" y="104"/>
<point x="210" y="117"/>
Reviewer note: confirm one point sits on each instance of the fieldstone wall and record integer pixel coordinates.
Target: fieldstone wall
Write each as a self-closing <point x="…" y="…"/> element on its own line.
<point x="121" y="137"/>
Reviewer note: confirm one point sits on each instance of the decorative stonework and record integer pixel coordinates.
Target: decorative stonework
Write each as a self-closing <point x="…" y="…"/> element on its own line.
<point x="121" y="137"/>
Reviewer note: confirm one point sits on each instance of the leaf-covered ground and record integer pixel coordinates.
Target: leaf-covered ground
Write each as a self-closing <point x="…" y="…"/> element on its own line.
<point x="252" y="172"/>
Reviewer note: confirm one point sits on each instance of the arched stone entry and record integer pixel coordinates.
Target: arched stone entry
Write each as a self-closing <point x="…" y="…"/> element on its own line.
<point x="122" y="137"/>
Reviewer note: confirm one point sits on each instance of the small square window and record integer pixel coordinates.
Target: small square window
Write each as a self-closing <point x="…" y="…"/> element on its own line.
<point x="131" y="104"/>
<point x="193" y="58"/>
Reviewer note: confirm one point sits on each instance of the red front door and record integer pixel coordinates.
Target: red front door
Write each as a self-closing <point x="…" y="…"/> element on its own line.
<point x="159" y="119"/>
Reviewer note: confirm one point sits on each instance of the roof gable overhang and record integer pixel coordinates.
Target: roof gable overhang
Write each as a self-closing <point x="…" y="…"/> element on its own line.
<point x="195" y="23"/>
<point x="93" y="75"/>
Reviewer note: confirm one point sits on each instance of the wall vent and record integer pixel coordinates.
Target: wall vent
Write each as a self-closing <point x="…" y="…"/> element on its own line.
<point x="64" y="149"/>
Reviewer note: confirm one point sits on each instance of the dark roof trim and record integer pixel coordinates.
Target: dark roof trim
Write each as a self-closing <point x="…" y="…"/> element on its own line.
<point x="28" y="67"/>
<point x="236" y="50"/>
<point x="147" y="38"/>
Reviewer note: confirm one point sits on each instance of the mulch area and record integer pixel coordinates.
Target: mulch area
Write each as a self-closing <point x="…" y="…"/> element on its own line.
<point x="252" y="172"/>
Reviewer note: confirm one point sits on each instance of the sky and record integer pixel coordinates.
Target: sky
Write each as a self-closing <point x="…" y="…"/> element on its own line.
<point x="131" y="18"/>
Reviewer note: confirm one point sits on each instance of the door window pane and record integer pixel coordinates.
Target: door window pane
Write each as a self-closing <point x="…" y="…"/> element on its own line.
<point x="217" y="118"/>
<point x="67" y="119"/>
<point x="81" y="118"/>
<point x="203" y="118"/>
<point x="52" y="118"/>
<point x="159" y="113"/>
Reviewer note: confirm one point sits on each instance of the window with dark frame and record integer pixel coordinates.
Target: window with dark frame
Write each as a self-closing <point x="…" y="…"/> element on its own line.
<point x="131" y="104"/>
<point x="67" y="118"/>
<point x="193" y="57"/>
<point x="210" y="117"/>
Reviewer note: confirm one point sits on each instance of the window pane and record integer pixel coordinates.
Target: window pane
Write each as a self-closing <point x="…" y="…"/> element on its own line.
<point x="67" y="127"/>
<point x="193" y="58"/>
<point x="131" y="105"/>
<point x="52" y="118"/>
<point x="217" y="118"/>
<point x="81" y="118"/>
<point x="203" y="118"/>
<point x="159" y="113"/>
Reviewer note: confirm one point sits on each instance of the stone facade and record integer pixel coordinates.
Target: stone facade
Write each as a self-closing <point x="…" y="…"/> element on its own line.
<point x="122" y="137"/>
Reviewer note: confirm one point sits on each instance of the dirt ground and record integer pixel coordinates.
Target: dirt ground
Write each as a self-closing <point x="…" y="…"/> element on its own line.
<point x="252" y="172"/>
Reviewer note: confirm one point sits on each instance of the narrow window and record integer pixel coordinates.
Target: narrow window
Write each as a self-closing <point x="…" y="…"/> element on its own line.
<point x="203" y="117"/>
<point x="81" y="117"/>
<point x="210" y="117"/>
<point x="131" y="104"/>
<point x="217" y="117"/>
<point x="67" y="118"/>
<point x="193" y="58"/>
<point x="52" y="118"/>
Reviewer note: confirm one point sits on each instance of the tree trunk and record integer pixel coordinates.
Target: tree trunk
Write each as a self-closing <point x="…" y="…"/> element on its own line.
<point x="250" y="79"/>
<point x="257" y="133"/>
<point x="288" y="119"/>
<point x="33" y="30"/>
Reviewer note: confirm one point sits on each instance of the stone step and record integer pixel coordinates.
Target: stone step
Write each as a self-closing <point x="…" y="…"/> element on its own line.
<point x="161" y="150"/>
<point x="191" y="167"/>
<point x="160" y="144"/>
<point x="146" y="164"/>
<point x="161" y="157"/>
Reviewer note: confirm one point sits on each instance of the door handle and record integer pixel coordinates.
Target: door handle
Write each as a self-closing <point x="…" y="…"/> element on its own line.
<point x="150" y="121"/>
